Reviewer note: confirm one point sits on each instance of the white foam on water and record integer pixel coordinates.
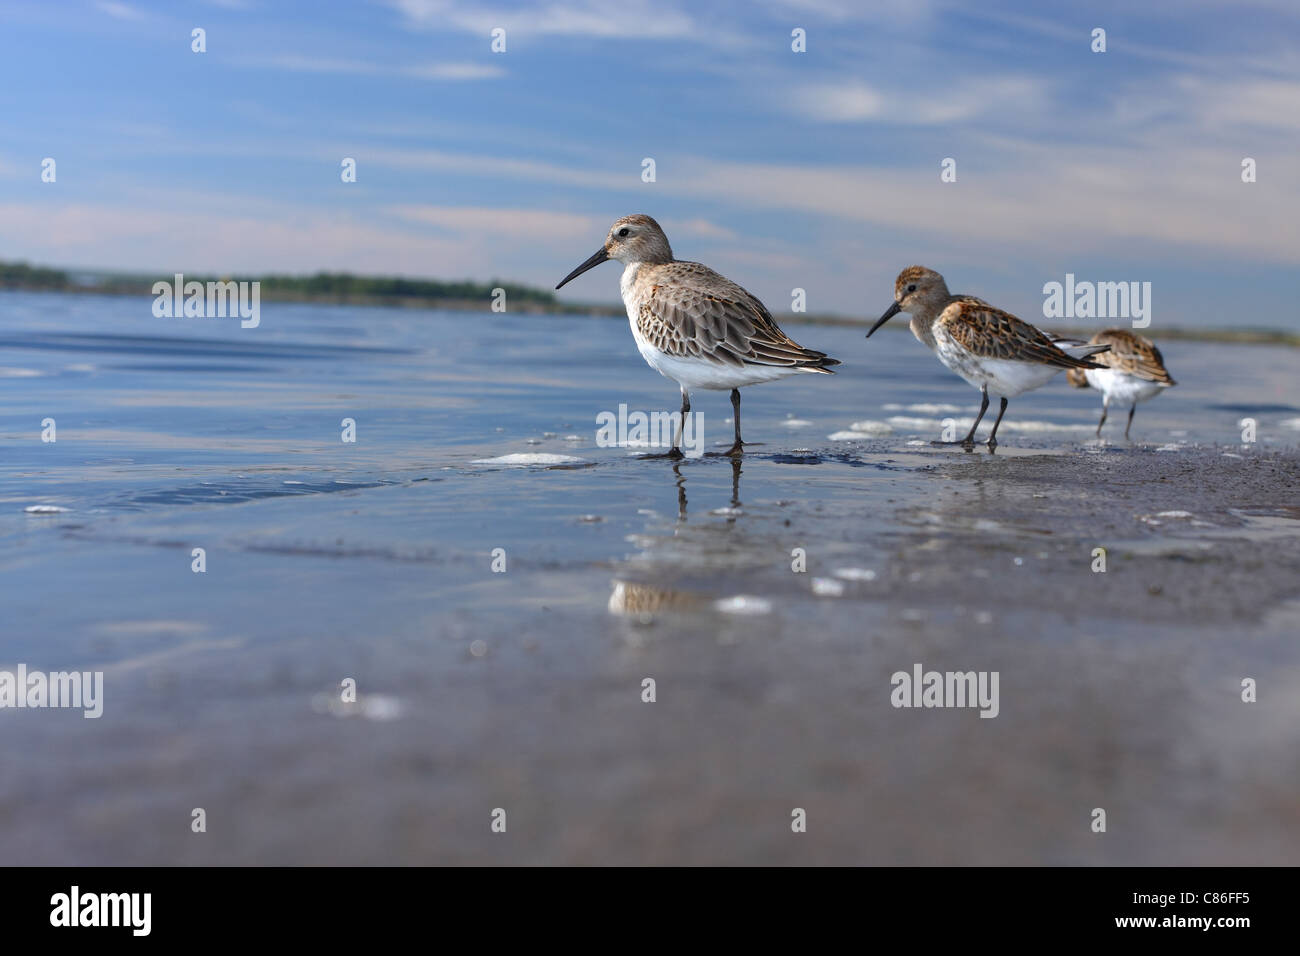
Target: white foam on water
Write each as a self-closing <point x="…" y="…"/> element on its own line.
<point x="743" y="604"/>
<point x="529" y="458"/>
<point x="379" y="707"/>
<point x="1031" y="426"/>
<point x="1170" y="448"/>
<point x="827" y="587"/>
<point x="912" y="423"/>
<point x="10" y="372"/>
<point x="1018" y="425"/>
<point x="796" y="423"/>
<point x="1155" y="519"/>
<point x="871" y="427"/>
<point x="847" y="436"/>
<point x="1290" y="423"/>
<point x="855" y="574"/>
<point x="925" y="408"/>
<point x="45" y="510"/>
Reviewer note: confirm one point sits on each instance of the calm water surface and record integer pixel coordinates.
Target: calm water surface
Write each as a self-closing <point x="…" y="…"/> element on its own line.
<point x="373" y="560"/>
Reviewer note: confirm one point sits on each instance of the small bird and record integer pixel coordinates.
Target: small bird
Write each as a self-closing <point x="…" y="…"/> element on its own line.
<point x="991" y="349"/>
<point x="1134" y="371"/>
<point x="694" y="326"/>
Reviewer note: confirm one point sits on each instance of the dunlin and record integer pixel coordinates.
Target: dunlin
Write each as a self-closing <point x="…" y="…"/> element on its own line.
<point x="991" y="349"/>
<point x="694" y="326"/>
<point x="1134" y="371"/>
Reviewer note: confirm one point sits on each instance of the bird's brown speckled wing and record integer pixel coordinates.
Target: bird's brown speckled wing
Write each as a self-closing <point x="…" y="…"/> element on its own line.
<point x="987" y="332"/>
<point x="690" y="311"/>
<point x="1132" y="354"/>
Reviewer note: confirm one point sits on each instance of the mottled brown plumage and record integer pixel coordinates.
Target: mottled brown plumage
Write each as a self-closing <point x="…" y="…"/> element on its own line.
<point x="989" y="348"/>
<point x="694" y="326"/>
<point x="1133" y="370"/>
<point x="1129" y="353"/>
<point x="686" y="310"/>
<point x="991" y="333"/>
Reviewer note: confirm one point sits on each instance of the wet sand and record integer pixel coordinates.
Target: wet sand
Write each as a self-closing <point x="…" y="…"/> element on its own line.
<point x="522" y="690"/>
<point x="1118" y="690"/>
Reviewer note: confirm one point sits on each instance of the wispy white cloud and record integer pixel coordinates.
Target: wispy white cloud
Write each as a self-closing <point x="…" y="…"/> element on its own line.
<point x="704" y="229"/>
<point x="1084" y="200"/>
<point x="636" y="19"/>
<point x="502" y="225"/>
<point x="118" y="10"/>
<point x="1252" y="103"/>
<point x="210" y="238"/>
<point x="857" y="102"/>
<point x="842" y="11"/>
<point x="494" y="166"/>
<point x="454" y="71"/>
<point x="299" y="63"/>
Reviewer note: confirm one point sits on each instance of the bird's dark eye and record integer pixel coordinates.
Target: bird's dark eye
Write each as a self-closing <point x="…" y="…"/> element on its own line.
<point x="623" y="231"/>
<point x="912" y="287"/>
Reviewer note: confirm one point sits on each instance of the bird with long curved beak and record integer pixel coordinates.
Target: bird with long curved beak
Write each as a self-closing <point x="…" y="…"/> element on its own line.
<point x="991" y="349"/>
<point x="694" y="326"/>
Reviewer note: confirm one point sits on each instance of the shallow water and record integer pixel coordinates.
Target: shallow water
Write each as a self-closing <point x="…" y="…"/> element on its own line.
<point x="374" y="560"/>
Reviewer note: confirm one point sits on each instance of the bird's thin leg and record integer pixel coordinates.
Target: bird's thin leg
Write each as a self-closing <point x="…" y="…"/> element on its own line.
<point x="1105" y="407"/>
<point x="681" y="427"/>
<point x="993" y="435"/>
<point x="675" y="453"/>
<point x="1133" y="408"/>
<point x="736" y="448"/>
<point x="970" y="438"/>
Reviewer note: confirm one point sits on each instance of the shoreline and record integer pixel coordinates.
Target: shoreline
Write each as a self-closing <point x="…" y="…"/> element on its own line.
<point x="1242" y="336"/>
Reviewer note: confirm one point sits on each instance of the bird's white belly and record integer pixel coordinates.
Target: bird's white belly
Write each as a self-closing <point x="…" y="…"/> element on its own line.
<point x="1122" y="388"/>
<point x="700" y="373"/>
<point x="1003" y="377"/>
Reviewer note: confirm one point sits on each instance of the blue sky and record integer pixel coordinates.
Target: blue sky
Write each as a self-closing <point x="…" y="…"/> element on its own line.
<point x="817" y="170"/>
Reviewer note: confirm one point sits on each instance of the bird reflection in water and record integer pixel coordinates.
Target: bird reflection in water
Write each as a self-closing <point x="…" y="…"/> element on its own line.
<point x="642" y="599"/>
<point x="681" y="491"/>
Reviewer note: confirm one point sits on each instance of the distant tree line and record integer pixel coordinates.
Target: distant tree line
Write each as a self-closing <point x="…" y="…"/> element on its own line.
<point x="347" y="284"/>
<point x="342" y="285"/>
<point x="21" y="275"/>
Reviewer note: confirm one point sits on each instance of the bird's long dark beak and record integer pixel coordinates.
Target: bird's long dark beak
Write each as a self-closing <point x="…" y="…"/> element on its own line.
<point x="892" y="311"/>
<point x="600" y="256"/>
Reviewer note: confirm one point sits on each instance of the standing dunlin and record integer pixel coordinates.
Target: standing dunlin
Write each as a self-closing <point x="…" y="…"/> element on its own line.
<point x="990" y="349"/>
<point x="1134" y="371"/>
<point x="694" y="326"/>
